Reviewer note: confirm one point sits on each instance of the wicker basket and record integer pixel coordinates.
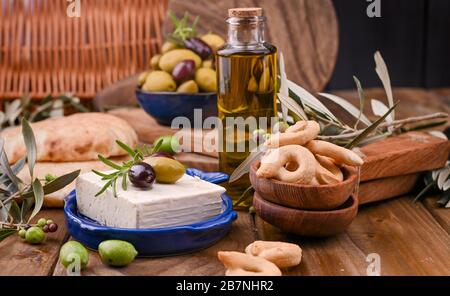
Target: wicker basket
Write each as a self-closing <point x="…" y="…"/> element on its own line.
<point x="44" y="51"/>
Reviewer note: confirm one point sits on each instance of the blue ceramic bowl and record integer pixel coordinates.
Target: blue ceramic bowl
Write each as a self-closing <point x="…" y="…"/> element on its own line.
<point x="165" y="106"/>
<point x="155" y="242"/>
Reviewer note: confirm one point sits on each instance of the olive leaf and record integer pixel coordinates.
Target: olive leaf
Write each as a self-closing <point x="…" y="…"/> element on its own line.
<point x="244" y="167"/>
<point x="292" y="105"/>
<point x="56" y="184"/>
<point x="4" y="233"/>
<point x="30" y="144"/>
<point x="362" y="100"/>
<point x="25" y="208"/>
<point x="379" y="108"/>
<point x="38" y="198"/>
<point x="284" y="89"/>
<point x="370" y="129"/>
<point x="5" y="168"/>
<point x="308" y="99"/>
<point x="355" y="112"/>
<point x="383" y="74"/>
<point x="14" y="211"/>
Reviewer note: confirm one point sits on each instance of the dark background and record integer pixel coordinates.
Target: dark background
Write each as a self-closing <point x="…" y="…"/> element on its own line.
<point x="412" y="35"/>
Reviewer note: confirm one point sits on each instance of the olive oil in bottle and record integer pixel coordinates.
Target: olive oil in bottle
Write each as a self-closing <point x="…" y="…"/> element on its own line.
<point x="247" y="78"/>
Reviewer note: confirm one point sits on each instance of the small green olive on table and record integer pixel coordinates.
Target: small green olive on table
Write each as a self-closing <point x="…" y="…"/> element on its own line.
<point x="117" y="253"/>
<point x="73" y="251"/>
<point x="34" y="235"/>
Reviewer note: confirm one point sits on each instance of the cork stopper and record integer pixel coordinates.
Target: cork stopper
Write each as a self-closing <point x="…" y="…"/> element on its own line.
<point x="245" y="12"/>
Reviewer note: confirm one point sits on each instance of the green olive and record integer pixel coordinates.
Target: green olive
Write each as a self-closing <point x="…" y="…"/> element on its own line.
<point x="170" y="59"/>
<point x="22" y="233"/>
<point x="168" y="144"/>
<point x="208" y="64"/>
<point x="168" y="46"/>
<point x="41" y="222"/>
<point x="159" y="81"/>
<point x="154" y="61"/>
<point x="167" y="170"/>
<point x="143" y="77"/>
<point x="206" y="79"/>
<point x="213" y="40"/>
<point x="35" y="235"/>
<point x="188" y="87"/>
<point x="73" y="251"/>
<point x="117" y="253"/>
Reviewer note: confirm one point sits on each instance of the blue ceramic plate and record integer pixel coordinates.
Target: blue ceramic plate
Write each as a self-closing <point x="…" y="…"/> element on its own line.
<point x="155" y="242"/>
<point x="165" y="106"/>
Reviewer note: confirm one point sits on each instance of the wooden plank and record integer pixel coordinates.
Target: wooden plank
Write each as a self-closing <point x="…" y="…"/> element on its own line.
<point x="20" y="258"/>
<point x="381" y="189"/>
<point x="442" y="215"/>
<point x="407" y="238"/>
<point x="405" y="154"/>
<point x="199" y="263"/>
<point x="310" y="58"/>
<point x="324" y="256"/>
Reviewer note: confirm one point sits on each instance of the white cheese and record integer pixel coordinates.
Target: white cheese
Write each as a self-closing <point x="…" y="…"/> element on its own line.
<point x="187" y="201"/>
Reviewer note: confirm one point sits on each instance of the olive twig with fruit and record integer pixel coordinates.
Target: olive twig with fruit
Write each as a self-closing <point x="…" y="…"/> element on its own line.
<point x="161" y="167"/>
<point x="21" y="201"/>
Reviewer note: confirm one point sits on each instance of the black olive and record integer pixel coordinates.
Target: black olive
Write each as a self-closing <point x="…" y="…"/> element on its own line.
<point x="184" y="71"/>
<point x="142" y="175"/>
<point x="198" y="46"/>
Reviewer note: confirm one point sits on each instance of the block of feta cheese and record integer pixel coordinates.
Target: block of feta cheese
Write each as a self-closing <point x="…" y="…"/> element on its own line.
<point x="187" y="201"/>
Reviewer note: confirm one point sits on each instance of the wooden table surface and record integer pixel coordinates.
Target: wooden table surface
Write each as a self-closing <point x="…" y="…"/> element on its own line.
<point x="410" y="238"/>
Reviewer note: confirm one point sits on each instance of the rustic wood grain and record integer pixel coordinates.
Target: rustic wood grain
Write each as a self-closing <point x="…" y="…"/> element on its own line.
<point x="306" y="32"/>
<point x="441" y="215"/>
<point x="199" y="263"/>
<point x="20" y="258"/>
<point x="337" y="255"/>
<point x="405" y="235"/>
<point x="405" y="154"/>
<point x="407" y="238"/>
<point x="385" y="188"/>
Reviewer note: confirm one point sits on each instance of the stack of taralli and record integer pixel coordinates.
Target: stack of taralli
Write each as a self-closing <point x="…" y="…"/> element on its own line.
<point x="71" y="143"/>
<point x="295" y="156"/>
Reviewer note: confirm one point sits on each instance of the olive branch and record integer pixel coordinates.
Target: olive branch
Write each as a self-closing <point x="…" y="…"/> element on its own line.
<point x="21" y="202"/>
<point x="302" y="105"/>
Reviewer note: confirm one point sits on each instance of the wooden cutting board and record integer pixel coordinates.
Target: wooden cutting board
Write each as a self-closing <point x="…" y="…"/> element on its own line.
<point x="392" y="166"/>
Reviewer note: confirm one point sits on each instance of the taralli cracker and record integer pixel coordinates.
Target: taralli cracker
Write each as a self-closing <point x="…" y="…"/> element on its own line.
<point x="240" y="264"/>
<point x="282" y="254"/>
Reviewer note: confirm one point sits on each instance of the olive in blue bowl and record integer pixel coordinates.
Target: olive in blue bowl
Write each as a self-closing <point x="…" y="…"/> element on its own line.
<point x="166" y="106"/>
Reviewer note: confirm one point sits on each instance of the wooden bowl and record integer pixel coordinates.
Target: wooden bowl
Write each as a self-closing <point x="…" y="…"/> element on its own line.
<point x="307" y="223"/>
<point x="305" y="197"/>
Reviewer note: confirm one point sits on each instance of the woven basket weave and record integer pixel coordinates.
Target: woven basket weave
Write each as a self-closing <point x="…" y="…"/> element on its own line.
<point x="44" y="51"/>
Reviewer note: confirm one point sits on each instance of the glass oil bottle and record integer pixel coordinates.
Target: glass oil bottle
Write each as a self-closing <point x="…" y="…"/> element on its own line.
<point x="247" y="86"/>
